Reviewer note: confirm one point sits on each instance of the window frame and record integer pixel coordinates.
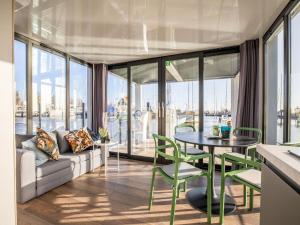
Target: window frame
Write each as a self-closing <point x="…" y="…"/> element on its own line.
<point x="26" y="82"/>
<point x="285" y="18"/>
<point x="30" y="43"/>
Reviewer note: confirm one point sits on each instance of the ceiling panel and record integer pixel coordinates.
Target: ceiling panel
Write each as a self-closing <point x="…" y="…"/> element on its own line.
<point x="113" y="31"/>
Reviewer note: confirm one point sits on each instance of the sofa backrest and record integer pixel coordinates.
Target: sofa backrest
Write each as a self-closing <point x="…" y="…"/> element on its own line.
<point x="22" y="137"/>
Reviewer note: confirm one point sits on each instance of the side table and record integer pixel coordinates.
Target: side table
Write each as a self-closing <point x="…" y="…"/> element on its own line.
<point x="106" y="147"/>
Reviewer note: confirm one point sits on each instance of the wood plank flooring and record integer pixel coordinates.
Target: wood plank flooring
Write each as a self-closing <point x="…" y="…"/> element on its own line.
<point x="121" y="198"/>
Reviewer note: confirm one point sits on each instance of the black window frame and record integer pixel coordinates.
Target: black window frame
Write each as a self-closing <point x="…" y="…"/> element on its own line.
<point x="30" y="43"/>
<point x="285" y="18"/>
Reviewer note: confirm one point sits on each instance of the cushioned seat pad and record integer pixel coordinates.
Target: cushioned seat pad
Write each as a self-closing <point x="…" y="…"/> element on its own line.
<point x="192" y="151"/>
<point x="185" y="170"/>
<point x="239" y="155"/>
<point x="251" y="176"/>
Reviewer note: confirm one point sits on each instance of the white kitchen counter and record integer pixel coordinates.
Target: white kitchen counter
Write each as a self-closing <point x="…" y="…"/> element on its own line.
<point x="279" y="157"/>
<point x="280" y="187"/>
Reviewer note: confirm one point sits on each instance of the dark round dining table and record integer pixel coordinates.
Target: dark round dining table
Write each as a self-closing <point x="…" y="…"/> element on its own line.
<point x="197" y="197"/>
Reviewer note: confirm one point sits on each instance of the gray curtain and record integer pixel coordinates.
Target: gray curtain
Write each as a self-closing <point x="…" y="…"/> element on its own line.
<point x="248" y="97"/>
<point x="99" y="95"/>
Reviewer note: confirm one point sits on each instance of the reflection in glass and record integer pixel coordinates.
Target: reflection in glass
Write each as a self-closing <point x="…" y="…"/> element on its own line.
<point x="144" y="108"/>
<point x="274" y="78"/>
<point x="221" y="83"/>
<point x="20" y="78"/>
<point x="117" y="111"/>
<point x="182" y="93"/>
<point x="80" y="80"/>
<point x="217" y="103"/>
<point x="48" y="90"/>
<point x="295" y="76"/>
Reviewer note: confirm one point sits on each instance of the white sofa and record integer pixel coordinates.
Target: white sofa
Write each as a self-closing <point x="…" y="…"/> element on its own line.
<point x="33" y="181"/>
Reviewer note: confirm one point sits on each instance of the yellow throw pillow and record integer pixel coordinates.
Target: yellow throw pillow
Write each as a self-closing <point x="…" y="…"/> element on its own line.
<point x="46" y="143"/>
<point x="79" y="140"/>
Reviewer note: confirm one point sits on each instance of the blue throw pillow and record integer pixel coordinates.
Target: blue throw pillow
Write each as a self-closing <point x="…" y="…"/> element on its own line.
<point x="40" y="157"/>
<point x="93" y="134"/>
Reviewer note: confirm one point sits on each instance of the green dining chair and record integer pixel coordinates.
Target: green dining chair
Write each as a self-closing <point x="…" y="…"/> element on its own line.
<point x="178" y="172"/>
<point x="182" y="128"/>
<point x="249" y="176"/>
<point x="250" y="152"/>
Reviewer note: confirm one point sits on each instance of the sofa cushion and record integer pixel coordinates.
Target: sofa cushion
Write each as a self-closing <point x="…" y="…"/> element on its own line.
<point x="40" y="157"/>
<point x="62" y="142"/>
<point x="52" y="166"/>
<point x="47" y="143"/>
<point x="79" y="140"/>
<point x="79" y="157"/>
<point x="22" y="137"/>
<point x="47" y="183"/>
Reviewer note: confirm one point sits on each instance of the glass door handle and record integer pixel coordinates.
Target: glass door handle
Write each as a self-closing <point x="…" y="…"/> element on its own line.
<point x="159" y="111"/>
<point x="163" y="110"/>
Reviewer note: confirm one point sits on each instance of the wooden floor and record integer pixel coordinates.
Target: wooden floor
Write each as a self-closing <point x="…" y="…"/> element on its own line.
<point x="121" y="198"/>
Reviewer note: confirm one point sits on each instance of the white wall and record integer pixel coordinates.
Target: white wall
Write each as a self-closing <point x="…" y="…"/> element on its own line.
<point x="7" y="163"/>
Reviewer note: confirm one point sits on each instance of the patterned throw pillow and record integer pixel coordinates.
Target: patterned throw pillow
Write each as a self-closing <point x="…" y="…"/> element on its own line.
<point x="79" y="140"/>
<point x="46" y="143"/>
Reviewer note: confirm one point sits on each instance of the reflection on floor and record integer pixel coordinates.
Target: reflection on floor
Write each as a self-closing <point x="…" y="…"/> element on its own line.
<point x="121" y="198"/>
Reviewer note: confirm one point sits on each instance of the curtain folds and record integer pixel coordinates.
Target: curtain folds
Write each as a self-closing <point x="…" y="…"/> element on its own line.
<point x="99" y="95"/>
<point x="248" y="98"/>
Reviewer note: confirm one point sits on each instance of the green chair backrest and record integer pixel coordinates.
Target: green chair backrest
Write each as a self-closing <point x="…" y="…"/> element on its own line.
<point x="184" y="127"/>
<point x="168" y="144"/>
<point x="254" y="132"/>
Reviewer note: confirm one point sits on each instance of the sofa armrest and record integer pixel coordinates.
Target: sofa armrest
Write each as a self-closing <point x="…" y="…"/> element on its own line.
<point x="25" y="175"/>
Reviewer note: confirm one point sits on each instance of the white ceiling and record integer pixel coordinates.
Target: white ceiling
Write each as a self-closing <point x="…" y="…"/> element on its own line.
<point x="113" y="31"/>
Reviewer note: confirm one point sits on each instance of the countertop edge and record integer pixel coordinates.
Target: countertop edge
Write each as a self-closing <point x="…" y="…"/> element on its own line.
<point x="284" y="163"/>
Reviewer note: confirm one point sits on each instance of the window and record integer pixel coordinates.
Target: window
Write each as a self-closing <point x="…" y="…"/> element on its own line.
<point x="295" y="77"/>
<point x="221" y="83"/>
<point x="20" y="78"/>
<point x="48" y="90"/>
<point x="274" y="90"/>
<point x="117" y="103"/>
<point x="217" y="102"/>
<point x="182" y="93"/>
<point x="80" y="84"/>
<point x="221" y="87"/>
<point x="144" y="108"/>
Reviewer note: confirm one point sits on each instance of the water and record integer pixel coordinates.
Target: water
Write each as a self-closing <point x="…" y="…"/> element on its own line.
<point x="115" y="131"/>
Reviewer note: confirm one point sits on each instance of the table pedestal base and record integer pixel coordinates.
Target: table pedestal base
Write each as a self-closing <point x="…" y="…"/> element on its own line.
<point x="198" y="199"/>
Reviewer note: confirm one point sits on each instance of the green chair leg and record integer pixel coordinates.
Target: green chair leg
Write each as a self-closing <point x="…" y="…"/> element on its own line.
<point x="251" y="198"/>
<point x="245" y="195"/>
<point x="222" y="193"/>
<point x="209" y="200"/>
<point x="172" y="218"/>
<point x="152" y="189"/>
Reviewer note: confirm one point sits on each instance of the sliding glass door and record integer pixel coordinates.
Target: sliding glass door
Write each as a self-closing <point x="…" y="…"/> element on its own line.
<point x="117" y="107"/>
<point x="155" y="95"/>
<point x="182" y="93"/>
<point x="144" y="108"/>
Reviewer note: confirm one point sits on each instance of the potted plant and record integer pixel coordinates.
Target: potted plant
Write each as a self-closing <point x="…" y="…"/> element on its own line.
<point x="104" y="135"/>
